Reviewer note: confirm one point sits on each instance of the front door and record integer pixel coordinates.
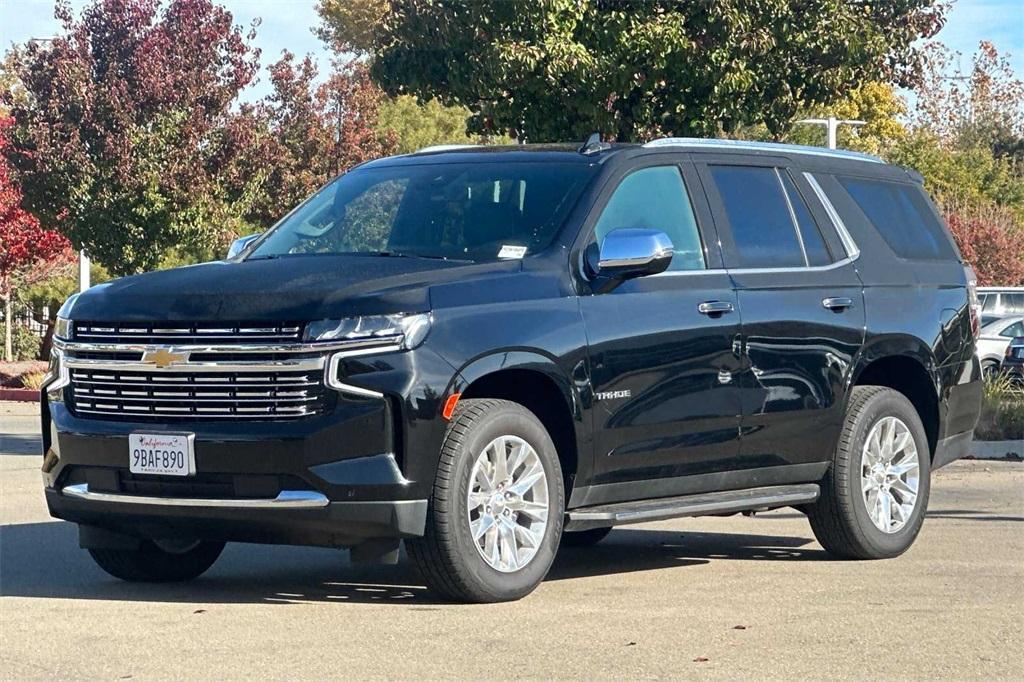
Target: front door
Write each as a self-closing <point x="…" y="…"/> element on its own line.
<point x="663" y="348"/>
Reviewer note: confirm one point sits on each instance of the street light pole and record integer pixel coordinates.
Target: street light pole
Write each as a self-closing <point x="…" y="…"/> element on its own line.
<point x="832" y="126"/>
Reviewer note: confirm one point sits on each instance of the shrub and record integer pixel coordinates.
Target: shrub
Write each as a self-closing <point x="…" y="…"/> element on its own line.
<point x="990" y="241"/>
<point x="25" y="343"/>
<point x="32" y="380"/>
<point x="1002" y="410"/>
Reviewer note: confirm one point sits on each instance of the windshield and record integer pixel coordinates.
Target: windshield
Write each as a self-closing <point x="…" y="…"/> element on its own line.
<point x="461" y="211"/>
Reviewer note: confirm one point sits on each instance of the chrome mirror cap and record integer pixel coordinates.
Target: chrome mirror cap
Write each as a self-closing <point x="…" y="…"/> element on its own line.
<point x="634" y="252"/>
<point x="238" y="246"/>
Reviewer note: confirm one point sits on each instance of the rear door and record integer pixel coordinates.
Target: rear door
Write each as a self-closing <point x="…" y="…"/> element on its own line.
<point x="802" y="308"/>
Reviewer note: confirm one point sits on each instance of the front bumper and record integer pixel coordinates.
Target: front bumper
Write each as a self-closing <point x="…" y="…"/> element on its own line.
<point x="292" y="517"/>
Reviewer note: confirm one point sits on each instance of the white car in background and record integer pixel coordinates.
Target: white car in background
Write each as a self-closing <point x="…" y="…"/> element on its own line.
<point x="996" y="335"/>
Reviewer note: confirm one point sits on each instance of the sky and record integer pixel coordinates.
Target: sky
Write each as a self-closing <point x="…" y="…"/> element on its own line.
<point x="287" y="25"/>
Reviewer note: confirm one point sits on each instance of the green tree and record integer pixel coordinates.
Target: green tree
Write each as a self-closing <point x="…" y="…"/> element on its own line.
<point x="564" y="68"/>
<point x="417" y="125"/>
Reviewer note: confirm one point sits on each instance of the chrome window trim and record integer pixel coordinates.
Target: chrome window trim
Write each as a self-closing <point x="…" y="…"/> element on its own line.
<point x="852" y="250"/>
<point x="331" y="371"/>
<point x="286" y="499"/>
<point x="773" y="147"/>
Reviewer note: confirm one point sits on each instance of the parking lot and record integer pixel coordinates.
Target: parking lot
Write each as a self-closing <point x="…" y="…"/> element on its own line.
<point x="717" y="597"/>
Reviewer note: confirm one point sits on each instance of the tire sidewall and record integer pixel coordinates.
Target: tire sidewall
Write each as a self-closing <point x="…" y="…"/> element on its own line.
<point x="881" y="543"/>
<point x="505" y="421"/>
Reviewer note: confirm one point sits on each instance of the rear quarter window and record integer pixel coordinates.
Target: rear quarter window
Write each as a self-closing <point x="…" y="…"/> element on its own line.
<point x="901" y="214"/>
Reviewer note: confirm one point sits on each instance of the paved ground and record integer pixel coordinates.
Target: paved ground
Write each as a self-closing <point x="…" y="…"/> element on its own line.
<point x="718" y="597"/>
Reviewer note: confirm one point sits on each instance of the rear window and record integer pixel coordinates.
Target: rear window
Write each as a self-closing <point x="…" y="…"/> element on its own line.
<point x="902" y="216"/>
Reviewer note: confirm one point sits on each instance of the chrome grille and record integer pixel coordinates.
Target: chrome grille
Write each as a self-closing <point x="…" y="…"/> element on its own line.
<point x="171" y="332"/>
<point x="258" y="393"/>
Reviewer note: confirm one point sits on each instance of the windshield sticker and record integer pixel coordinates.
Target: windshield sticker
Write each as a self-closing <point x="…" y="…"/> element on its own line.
<point x="509" y="251"/>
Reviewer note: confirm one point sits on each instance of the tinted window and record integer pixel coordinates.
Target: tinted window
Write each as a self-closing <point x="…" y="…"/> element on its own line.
<point x="656" y="199"/>
<point x="901" y="215"/>
<point x="1013" y="330"/>
<point x="763" y="233"/>
<point x="814" y="243"/>
<point x="468" y="211"/>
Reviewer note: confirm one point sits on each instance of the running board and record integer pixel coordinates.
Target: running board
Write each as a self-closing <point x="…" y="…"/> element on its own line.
<point x="707" y="504"/>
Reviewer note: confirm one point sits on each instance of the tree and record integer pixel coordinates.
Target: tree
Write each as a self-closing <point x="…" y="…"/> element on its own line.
<point x="24" y="246"/>
<point x="123" y="142"/>
<point x="308" y="133"/>
<point x="418" y="124"/>
<point x="990" y="242"/>
<point x="564" y="68"/>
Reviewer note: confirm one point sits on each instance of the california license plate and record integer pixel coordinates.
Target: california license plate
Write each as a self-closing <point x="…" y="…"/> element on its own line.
<point x="163" y="454"/>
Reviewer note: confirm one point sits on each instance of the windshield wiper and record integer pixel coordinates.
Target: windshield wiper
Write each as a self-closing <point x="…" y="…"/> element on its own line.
<point x="424" y="256"/>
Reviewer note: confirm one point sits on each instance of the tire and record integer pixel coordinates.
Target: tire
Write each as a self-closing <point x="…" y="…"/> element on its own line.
<point x="990" y="369"/>
<point x="584" y="538"/>
<point x="840" y="518"/>
<point x="150" y="564"/>
<point x="451" y="562"/>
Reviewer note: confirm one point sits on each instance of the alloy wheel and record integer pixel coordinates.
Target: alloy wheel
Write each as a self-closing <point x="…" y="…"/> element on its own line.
<point x="507" y="501"/>
<point x="890" y="474"/>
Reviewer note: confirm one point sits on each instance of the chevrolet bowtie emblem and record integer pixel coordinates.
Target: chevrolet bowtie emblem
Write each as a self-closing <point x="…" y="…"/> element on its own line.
<point x="162" y="357"/>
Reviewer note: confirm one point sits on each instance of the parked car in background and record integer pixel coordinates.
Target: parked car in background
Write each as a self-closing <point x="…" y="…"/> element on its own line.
<point x="489" y="352"/>
<point x="1013" y="360"/>
<point x="996" y="335"/>
<point x="1001" y="301"/>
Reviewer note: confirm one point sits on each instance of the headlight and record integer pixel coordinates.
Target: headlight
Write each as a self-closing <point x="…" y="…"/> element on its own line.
<point x="408" y="331"/>
<point x="63" y="329"/>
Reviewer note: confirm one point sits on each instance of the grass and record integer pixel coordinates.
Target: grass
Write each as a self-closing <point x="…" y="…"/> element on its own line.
<point x="1002" y="410"/>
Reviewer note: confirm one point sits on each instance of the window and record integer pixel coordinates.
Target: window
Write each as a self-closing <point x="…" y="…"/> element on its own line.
<point x="1014" y="330"/>
<point x="465" y="211"/>
<point x="902" y="216"/>
<point x="763" y="233"/>
<point x="656" y="199"/>
<point x="814" y="243"/>
<point x="1011" y="303"/>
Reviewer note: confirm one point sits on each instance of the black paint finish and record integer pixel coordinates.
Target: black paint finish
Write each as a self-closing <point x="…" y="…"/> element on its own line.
<point x="656" y="398"/>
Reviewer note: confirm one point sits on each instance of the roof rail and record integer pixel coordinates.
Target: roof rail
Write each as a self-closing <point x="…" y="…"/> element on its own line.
<point x="444" y="148"/>
<point x="760" y="147"/>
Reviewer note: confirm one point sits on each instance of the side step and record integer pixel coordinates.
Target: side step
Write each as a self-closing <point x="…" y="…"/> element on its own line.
<point x="726" y="502"/>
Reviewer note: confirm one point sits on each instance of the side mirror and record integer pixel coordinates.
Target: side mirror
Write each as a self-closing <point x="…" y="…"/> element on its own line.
<point x="630" y="252"/>
<point x="238" y="246"/>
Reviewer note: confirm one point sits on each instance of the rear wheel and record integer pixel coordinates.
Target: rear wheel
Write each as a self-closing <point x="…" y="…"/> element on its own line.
<point x="495" y="515"/>
<point x="584" y="538"/>
<point x="875" y="494"/>
<point x="151" y="563"/>
<point x="990" y="369"/>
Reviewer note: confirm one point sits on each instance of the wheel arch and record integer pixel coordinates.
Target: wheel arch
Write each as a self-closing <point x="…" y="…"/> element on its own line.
<point x="537" y="383"/>
<point x="907" y="365"/>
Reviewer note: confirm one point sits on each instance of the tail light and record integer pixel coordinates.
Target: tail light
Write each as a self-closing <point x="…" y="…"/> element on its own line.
<point x="973" y="302"/>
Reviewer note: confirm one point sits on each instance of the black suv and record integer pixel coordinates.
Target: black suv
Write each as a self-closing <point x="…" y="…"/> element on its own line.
<point x="488" y="352"/>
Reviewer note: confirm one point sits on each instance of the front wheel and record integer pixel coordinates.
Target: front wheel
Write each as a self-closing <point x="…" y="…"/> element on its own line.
<point x="875" y="494"/>
<point x="151" y="563"/>
<point x="495" y="515"/>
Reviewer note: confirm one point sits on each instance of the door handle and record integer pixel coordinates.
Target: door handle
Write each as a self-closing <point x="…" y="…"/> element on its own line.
<point x="837" y="303"/>
<point x="714" y="308"/>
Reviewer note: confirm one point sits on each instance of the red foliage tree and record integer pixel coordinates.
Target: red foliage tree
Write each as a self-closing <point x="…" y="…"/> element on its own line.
<point x="122" y="140"/>
<point x="989" y="244"/>
<point x="312" y="131"/>
<point x="24" y="245"/>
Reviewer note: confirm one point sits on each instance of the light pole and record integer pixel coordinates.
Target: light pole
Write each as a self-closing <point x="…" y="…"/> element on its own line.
<point x="832" y="125"/>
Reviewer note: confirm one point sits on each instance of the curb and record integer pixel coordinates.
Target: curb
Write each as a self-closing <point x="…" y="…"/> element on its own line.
<point x="997" y="449"/>
<point x="21" y="395"/>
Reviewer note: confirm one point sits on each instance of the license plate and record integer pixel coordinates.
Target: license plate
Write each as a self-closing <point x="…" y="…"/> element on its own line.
<point x="163" y="454"/>
<point x="1020" y="352"/>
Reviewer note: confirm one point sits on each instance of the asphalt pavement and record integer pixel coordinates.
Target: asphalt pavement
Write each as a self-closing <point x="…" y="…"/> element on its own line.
<point x="721" y="598"/>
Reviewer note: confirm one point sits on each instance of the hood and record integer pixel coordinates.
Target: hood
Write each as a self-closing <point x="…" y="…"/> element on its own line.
<point x="294" y="289"/>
